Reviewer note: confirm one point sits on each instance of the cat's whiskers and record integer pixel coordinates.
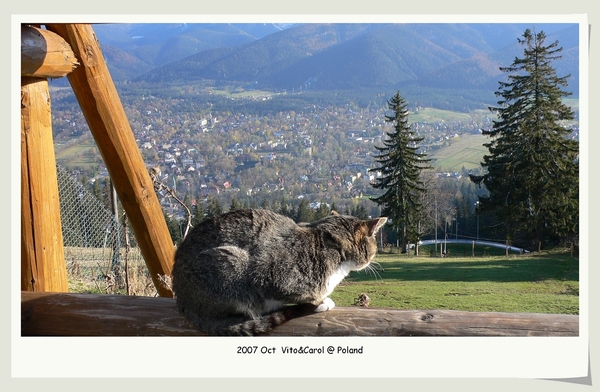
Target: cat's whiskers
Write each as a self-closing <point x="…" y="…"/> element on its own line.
<point x="372" y="267"/>
<point x="377" y="264"/>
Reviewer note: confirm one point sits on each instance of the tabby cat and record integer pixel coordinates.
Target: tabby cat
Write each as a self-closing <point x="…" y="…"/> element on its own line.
<point x="247" y="271"/>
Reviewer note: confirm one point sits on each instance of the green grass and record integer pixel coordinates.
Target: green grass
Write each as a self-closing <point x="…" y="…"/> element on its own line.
<point x="434" y="115"/>
<point x="467" y="151"/>
<point x="80" y="155"/>
<point x="520" y="284"/>
<point x="241" y="93"/>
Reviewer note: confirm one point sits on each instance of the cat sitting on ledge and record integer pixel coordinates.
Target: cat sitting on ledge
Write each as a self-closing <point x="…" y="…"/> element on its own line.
<point x="246" y="271"/>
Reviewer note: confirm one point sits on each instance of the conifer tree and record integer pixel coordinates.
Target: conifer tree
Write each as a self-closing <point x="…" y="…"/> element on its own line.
<point x="304" y="213"/>
<point x="235" y="204"/>
<point x="400" y="166"/>
<point x="359" y="211"/>
<point x="532" y="170"/>
<point x="323" y="211"/>
<point x="213" y="207"/>
<point x="174" y="229"/>
<point x="284" y="209"/>
<point x="197" y="212"/>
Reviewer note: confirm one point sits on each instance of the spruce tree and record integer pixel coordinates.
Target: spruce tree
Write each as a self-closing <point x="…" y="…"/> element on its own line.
<point x="304" y="213"/>
<point x="532" y="170"/>
<point x="400" y="165"/>
<point x="197" y="212"/>
<point x="174" y="228"/>
<point x="213" y="207"/>
<point x="235" y="204"/>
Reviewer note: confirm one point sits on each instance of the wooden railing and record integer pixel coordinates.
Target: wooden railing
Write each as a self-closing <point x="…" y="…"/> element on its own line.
<point x="61" y="314"/>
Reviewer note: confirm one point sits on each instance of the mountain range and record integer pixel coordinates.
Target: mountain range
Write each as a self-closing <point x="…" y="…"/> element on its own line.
<point x="327" y="56"/>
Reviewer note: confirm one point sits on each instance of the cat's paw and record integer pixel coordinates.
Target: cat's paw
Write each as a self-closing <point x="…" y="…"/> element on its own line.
<point x="327" y="304"/>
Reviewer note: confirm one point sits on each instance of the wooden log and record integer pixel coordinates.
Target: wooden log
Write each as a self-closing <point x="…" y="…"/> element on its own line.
<point x="392" y="322"/>
<point x="58" y="314"/>
<point x="61" y="314"/>
<point x="45" y="54"/>
<point x="101" y="105"/>
<point x="43" y="266"/>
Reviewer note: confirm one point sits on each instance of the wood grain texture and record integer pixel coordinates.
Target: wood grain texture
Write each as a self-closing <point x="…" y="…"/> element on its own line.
<point x="105" y="115"/>
<point x="45" y="54"/>
<point x="60" y="314"/>
<point x="43" y="266"/>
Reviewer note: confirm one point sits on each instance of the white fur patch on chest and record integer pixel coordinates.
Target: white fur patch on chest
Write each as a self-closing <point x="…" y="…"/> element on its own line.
<point x="337" y="276"/>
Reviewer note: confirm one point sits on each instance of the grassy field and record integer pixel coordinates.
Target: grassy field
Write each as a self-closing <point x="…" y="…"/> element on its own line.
<point x="547" y="283"/>
<point x="241" y="93"/>
<point x="81" y="155"/>
<point x="531" y="284"/>
<point x="539" y="284"/>
<point x="467" y="151"/>
<point x="433" y="115"/>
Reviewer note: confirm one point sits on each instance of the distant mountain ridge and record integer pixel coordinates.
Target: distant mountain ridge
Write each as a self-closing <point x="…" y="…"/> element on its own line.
<point x="336" y="56"/>
<point x="156" y="44"/>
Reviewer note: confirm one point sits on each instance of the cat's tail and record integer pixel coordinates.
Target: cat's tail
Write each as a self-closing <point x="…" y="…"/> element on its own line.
<point x="267" y="322"/>
<point x="239" y="326"/>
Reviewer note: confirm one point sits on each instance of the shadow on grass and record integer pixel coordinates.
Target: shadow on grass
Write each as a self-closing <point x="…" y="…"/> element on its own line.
<point x="518" y="269"/>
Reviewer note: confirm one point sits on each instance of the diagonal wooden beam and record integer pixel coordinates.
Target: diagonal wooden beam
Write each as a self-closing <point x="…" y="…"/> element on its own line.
<point x="103" y="110"/>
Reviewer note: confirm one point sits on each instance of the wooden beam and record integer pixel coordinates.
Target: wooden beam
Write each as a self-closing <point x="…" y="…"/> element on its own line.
<point x="45" y="54"/>
<point x="101" y="315"/>
<point x="358" y="321"/>
<point x="47" y="314"/>
<point x="43" y="266"/>
<point x="101" y="105"/>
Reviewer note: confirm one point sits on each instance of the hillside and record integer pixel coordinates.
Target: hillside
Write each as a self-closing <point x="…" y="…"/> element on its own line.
<point x="156" y="44"/>
<point x="258" y="60"/>
<point x="354" y="56"/>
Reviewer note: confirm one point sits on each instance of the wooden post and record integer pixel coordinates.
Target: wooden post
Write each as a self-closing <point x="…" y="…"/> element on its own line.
<point x="101" y="105"/>
<point x="43" y="268"/>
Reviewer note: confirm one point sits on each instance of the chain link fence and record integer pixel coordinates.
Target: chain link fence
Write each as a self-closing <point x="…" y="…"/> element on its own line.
<point x="101" y="252"/>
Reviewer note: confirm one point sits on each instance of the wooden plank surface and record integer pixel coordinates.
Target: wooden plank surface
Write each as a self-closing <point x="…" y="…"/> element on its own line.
<point x="101" y="105"/>
<point x="61" y="314"/>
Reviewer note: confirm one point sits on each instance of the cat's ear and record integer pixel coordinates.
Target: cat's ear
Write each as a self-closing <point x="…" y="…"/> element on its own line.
<point x="375" y="224"/>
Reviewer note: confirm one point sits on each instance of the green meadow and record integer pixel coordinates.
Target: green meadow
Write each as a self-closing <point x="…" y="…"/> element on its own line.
<point x="80" y="155"/>
<point x="546" y="283"/>
<point x="466" y="151"/>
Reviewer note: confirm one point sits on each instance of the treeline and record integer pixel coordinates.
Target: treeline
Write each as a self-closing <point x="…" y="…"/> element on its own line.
<point x="301" y="211"/>
<point x="459" y="100"/>
<point x="451" y="211"/>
